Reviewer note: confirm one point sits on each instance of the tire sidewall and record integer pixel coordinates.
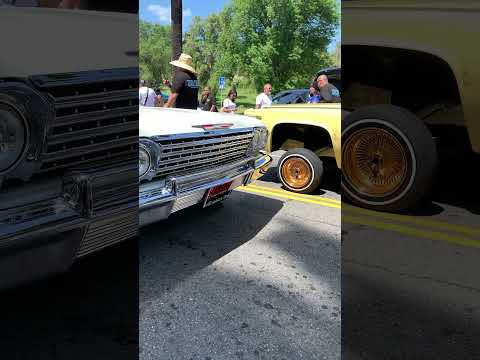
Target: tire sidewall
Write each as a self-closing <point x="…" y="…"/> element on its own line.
<point x="412" y="132"/>
<point x="316" y="169"/>
<point x="411" y="171"/>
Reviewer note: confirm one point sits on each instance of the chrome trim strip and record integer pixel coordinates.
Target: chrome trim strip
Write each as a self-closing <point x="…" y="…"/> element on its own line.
<point x="159" y="138"/>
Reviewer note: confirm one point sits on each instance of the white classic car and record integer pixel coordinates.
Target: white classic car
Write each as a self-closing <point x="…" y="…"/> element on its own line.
<point x="68" y="137"/>
<point x="189" y="157"/>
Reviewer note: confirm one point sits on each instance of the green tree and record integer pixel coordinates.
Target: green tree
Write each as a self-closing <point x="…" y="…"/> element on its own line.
<point x="282" y="41"/>
<point x="155" y="52"/>
<point x="201" y="42"/>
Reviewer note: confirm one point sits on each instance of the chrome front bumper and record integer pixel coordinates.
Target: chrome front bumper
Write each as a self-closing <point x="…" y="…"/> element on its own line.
<point x="158" y="199"/>
<point x="50" y="222"/>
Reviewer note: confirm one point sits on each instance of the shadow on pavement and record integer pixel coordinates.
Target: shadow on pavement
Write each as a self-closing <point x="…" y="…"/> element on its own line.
<point x="277" y="296"/>
<point x="90" y="312"/>
<point x="266" y="323"/>
<point x="180" y="242"/>
<point x="381" y="323"/>
<point x="427" y="305"/>
<point x="458" y="183"/>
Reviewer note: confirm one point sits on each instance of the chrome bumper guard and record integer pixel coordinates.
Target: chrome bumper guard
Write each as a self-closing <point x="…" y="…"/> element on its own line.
<point x="158" y="199"/>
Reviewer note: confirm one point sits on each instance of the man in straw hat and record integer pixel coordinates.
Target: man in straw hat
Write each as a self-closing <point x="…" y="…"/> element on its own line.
<point x="185" y="84"/>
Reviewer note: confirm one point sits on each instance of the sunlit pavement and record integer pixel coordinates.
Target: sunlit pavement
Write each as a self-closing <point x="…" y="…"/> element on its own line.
<point x="410" y="283"/>
<point x="257" y="278"/>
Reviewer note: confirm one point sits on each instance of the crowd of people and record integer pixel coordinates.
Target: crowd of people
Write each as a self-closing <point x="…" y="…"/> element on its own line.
<point x="323" y="91"/>
<point x="184" y="91"/>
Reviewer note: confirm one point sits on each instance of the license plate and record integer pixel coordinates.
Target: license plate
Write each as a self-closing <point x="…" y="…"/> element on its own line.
<point x="217" y="193"/>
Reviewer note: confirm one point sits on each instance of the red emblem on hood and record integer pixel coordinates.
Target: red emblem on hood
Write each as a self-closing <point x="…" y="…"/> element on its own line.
<point x="213" y="126"/>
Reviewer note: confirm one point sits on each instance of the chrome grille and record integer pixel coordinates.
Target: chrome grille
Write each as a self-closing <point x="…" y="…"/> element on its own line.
<point x="188" y="153"/>
<point x="110" y="231"/>
<point x="95" y="117"/>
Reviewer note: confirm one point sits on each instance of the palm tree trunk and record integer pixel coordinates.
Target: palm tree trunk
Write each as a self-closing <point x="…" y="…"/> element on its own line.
<point x="176" y="6"/>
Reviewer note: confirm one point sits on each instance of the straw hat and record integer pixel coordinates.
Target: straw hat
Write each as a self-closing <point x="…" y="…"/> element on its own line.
<point x="185" y="62"/>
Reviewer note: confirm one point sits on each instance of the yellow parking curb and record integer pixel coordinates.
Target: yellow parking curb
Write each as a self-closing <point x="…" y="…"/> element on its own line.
<point x="410" y="231"/>
<point x="431" y="228"/>
<point x="287" y="195"/>
<point x="413" y="220"/>
<point x="420" y="228"/>
<point x="305" y="196"/>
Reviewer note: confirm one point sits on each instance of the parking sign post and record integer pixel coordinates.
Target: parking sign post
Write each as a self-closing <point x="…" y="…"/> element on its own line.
<point x="221" y="86"/>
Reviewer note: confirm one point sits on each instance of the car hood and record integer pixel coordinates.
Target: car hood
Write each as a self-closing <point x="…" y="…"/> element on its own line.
<point x="161" y="121"/>
<point x="60" y="41"/>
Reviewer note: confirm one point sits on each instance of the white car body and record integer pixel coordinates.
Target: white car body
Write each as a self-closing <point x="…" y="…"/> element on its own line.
<point x="62" y="66"/>
<point x="112" y="43"/>
<point x="163" y="121"/>
<point x="193" y="154"/>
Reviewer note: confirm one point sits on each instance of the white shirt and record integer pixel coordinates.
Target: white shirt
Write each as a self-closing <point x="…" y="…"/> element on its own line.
<point x="229" y="104"/>
<point x="263" y="100"/>
<point x="146" y="96"/>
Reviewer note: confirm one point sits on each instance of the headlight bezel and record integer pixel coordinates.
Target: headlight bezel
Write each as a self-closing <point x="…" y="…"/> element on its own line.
<point x="153" y="151"/>
<point x="22" y="129"/>
<point x="263" y="138"/>
<point x="259" y="140"/>
<point x="143" y="152"/>
<point x="36" y="112"/>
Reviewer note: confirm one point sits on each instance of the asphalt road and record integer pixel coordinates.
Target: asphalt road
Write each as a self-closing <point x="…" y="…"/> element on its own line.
<point x="260" y="278"/>
<point x="90" y="312"/>
<point x="410" y="284"/>
<point x="255" y="278"/>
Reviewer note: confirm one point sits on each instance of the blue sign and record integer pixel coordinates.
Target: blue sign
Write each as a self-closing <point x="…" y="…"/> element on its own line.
<point x="221" y="82"/>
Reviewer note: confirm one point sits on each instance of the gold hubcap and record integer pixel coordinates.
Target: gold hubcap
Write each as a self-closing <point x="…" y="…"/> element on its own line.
<point x="296" y="172"/>
<point x="375" y="162"/>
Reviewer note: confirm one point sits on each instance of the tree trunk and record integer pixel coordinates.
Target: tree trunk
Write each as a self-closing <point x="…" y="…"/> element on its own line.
<point x="176" y="6"/>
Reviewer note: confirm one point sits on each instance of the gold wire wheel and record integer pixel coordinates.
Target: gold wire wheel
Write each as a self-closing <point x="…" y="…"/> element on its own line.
<point x="296" y="172"/>
<point x="375" y="162"/>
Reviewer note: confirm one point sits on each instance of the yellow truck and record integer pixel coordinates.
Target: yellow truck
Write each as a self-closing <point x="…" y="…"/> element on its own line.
<point x="410" y="86"/>
<point x="310" y="134"/>
<point x="411" y="80"/>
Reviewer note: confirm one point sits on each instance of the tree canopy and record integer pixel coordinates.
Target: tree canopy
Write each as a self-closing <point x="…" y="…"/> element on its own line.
<point x="155" y="52"/>
<point x="251" y="41"/>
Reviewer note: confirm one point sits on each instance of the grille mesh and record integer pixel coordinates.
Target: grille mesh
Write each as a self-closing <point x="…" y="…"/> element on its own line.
<point x="193" y="153"/>
<point x="95" y="117"/>
<point x="107" y="232"/>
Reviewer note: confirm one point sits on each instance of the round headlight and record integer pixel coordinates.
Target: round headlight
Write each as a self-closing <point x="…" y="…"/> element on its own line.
<point x="262" y="138"/>
<point x="13" y="134"/>
<point x="144" y="161"/>
<point x="256" y="138"/>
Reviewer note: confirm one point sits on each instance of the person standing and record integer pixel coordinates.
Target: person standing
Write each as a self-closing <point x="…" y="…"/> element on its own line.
<point x="184" y="90"/>
<point x="159" y="102"/>
<point x="313" y="96"/>
<point x="228" y="105"/>
<point x="328" y="92"/>
<point x="146" y="95"/>
<point x="264" y="99"/>
<point x="207" y="100"/>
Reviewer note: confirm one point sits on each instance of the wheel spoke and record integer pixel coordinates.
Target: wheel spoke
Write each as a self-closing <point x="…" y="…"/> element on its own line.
<point x="375" y="162"/>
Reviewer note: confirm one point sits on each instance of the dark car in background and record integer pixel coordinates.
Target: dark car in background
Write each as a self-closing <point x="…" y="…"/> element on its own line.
<point x="300" y="96"/>
<point x="294" y="96"/>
